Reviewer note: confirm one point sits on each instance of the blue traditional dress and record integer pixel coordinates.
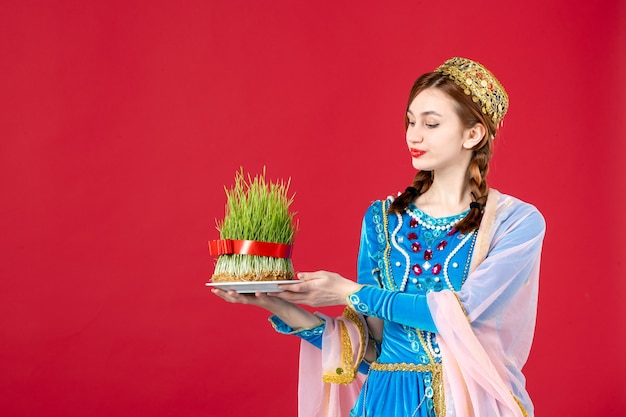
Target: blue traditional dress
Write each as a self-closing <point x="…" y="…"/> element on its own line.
<point x="402" y="259"/>
<point x="410" y="253"/>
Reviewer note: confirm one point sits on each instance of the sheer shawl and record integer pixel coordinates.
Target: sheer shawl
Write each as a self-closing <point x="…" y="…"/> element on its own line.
<point x="329" y="383"/>
<point x="485" y="334"/>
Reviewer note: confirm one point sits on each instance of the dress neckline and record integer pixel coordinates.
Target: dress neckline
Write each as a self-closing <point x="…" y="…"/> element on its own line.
<point x="424" y="217"/>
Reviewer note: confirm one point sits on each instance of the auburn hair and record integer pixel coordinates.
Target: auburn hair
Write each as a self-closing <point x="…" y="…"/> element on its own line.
<point x="470" y="114"/>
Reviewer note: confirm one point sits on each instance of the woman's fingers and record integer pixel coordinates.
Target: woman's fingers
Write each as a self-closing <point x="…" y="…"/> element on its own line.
<point x="257" y="299"/>
<point x="235" y="297"/>
<point x="299" y="287"/>
<point x="308" y="276"/>
<point x="318" y="289"/>
<point x="291" y="296"/>
<point x="230" y="296"/>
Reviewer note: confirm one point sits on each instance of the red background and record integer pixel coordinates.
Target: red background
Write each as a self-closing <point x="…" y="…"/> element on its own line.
<point x="121" y="121"/>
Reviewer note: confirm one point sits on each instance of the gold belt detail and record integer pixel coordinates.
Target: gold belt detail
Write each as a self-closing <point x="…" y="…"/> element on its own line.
<point x="431" y="367"/>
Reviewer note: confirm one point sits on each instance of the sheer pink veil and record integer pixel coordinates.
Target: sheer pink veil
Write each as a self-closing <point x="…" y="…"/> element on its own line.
<point x="486" y="329"/>
<point x="329" y="383"/>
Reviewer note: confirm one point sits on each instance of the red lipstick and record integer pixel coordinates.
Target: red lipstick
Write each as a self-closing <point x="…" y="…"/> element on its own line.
<point x="416" y="153"/>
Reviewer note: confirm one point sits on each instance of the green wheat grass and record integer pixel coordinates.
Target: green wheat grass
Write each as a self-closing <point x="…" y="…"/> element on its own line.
<point x="256" y="209"/>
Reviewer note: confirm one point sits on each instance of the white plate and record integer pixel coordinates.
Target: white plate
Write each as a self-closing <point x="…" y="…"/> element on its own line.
<point x="251" y="286"/>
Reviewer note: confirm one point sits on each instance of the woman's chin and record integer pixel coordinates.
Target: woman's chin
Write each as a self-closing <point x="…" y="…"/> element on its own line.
<point x="420" y="166"/>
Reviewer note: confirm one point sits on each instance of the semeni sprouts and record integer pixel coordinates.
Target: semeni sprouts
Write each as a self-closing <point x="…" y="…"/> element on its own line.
<point x="258" y="210"/>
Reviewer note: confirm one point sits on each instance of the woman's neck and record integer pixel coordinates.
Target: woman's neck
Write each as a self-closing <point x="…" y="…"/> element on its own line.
<point x="445" y="197"/>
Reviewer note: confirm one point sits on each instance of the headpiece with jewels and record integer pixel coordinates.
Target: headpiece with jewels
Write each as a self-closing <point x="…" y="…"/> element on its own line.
<point x="476" y="80"/>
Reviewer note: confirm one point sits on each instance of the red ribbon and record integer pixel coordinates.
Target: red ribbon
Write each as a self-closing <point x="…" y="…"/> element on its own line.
<point x="249" y="247"/>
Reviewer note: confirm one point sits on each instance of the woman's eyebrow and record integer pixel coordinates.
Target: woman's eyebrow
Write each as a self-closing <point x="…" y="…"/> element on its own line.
<point x="425" y="113"/>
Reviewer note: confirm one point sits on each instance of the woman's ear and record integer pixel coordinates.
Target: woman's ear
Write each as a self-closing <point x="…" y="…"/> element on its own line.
<point x="474" y="135"/>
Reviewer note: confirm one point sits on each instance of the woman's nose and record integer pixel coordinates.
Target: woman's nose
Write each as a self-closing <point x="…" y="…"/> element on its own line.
<point x="414" y="136"/>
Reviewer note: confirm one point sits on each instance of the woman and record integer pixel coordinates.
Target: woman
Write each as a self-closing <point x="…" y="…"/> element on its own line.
<point x="442" y="316"/>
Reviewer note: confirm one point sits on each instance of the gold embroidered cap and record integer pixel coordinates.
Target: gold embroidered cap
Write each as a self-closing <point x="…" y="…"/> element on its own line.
<point x="476" y="80"/>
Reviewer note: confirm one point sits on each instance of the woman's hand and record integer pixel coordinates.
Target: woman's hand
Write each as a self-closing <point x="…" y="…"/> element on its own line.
<point x="294" y="316"/>
<point x="318" y="289"/>
<point x="258" y="299"/>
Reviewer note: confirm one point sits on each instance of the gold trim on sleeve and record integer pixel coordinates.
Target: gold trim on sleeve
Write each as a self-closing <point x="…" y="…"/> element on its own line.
<point x="347" y="372"/>
<point x="524" y="412"/>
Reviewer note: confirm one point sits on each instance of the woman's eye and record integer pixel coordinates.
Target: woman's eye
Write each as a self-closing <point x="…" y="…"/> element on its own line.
<point x="411" y="123"/>
<point x="432" y="125"/>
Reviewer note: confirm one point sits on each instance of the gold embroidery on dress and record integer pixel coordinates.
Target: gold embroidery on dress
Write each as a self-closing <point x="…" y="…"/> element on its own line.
<point x="410" y="367"/>
<point x="435" y="369"/>
<point x="439" y="399"/>
<point x="387" y="245"/>
<point x="347" y="372"/>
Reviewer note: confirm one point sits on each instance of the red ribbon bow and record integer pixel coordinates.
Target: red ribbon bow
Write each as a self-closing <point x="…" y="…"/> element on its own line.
<point x="249" y="247"/>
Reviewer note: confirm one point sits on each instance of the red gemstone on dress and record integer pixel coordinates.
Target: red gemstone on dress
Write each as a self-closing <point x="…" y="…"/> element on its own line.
<point x="428" y="255"/>
<point x="417" y="270"/>
<point x="412" y="236"/>
<point x="416" y="247"/>
<point x="451" y="232"/>
<point x="414" y="223"/>
<point x="436" y="269"/>
<point x="442" y="245"/>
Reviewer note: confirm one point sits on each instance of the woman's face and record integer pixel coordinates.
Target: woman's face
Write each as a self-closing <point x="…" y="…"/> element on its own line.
<point x="436" y="137"/>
